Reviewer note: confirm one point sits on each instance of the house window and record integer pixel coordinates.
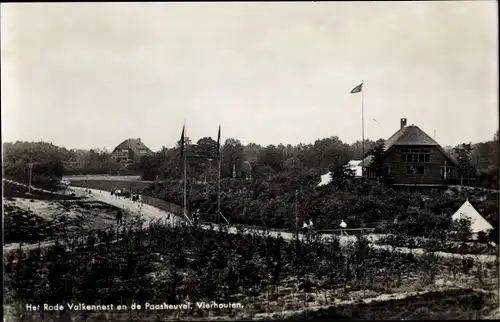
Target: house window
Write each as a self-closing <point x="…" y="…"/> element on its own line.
<point x="419" y="169"/>
<point x="416" y="157"/>
<point x="388" y="170"/>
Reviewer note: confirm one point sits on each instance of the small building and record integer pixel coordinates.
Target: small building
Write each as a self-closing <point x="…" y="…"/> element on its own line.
<point x="354" y="165"/>
<point x="478" y="223"/>
<point x="325" y="179"/>
<point x="412" y="158"/>
<point x="130" y="150"/>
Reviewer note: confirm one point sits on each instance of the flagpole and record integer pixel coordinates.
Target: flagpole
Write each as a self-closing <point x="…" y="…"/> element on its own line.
<point x="30" y="168"/>
<point x="218" y="190"/>
<point x="362" y="130"/>
<point x="219" y="169"/>
<point x="185" y="175"/>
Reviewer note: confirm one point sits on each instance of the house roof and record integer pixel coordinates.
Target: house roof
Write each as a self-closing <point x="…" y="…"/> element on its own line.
<point x="478" y="223"/>
<point x="134" y="144"/>
<point x="411" y="135"/>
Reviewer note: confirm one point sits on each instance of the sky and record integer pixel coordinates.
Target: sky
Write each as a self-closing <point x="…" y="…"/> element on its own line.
<point x="90" y="75"/>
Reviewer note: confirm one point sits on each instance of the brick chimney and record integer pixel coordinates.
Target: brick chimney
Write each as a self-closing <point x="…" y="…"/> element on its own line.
<point x="403" y="122"/>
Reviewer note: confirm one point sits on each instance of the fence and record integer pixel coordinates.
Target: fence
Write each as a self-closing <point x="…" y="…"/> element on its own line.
<point x="162" y="204"/>
<point x="108" y="185"/>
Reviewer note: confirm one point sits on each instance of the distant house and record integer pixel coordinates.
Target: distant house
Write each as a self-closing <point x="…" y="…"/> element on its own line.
<point x="412" y="158"/>
<point x="130" y="150"/>
<point x="354" y="165"/>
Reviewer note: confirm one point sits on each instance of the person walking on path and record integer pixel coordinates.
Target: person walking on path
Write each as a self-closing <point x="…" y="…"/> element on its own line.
<point x="343" y="226"/>
<point x="119" y="217"/>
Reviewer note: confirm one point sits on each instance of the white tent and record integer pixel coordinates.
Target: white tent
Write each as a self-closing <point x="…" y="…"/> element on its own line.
<point x="325" y="179"/>
<point x="478" y="223"/>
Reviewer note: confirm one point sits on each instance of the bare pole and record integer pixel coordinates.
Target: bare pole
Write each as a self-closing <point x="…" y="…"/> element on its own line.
<point x="185" y="175"/>
<point x="30" y="169"/>
<point x="165" y="162"/>
<point x="218" y="189"/>
<point x="296" y="215"/>
<point x="219" y="169"/>
<point x="185" y="186"/>
<point x="362" y="130"/>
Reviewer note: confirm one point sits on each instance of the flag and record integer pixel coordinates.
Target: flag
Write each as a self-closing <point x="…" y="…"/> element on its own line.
<point x="182" y="141"/>
<point x="357" y="89"/>
<point x="218" y="144"/>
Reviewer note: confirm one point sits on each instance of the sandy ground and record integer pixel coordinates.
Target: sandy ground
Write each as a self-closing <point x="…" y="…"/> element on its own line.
<point x="94" y="216"/>
<point x="25" y="185"/>
<point x="45" y="209"/>
<point x="71" y="216"/>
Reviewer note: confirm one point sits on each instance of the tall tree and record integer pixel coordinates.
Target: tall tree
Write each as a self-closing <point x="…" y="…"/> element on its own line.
<point x="232" y="154"/>
<point x="377" y="161"/>
<point x="463" y="153"/>
<point x="252" y="152"/>
<point x="272" y="157"/>
<point x="329" y="151"/>
<point x="356" y="149"/>
<point x="204" y="163"/>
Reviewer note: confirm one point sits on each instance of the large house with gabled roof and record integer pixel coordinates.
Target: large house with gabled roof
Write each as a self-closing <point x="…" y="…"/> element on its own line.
<point x="412" y="158"/>
<point x="130" y="150"/>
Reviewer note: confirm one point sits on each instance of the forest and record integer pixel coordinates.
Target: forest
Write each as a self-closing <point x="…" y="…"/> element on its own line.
<point x="250" y="160"/>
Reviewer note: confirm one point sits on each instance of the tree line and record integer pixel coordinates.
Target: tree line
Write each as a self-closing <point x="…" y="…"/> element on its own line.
<point x="237" y="159"/>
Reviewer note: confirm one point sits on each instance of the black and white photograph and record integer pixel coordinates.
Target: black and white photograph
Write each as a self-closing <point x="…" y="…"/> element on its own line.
<point x="224" y="161"/>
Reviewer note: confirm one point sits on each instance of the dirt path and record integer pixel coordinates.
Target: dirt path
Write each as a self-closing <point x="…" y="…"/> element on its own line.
<point x="151" y="213"/>
<point x="148" y="212"/>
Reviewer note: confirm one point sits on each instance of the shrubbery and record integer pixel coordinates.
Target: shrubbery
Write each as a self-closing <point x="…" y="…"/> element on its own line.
<point x="271" y="202"/>
<point x="175" y="264"/>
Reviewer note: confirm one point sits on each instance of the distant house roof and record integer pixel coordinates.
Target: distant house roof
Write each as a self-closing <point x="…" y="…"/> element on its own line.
<point x="133" y="144"/>
<point x="478" y="223"/>
<point x="411" y="135"/>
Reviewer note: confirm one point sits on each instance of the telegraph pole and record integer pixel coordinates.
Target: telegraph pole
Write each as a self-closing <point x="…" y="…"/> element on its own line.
<point x="165" y="163"/>
<point x="30" y="169"/>
<point x="296" y="215"/>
